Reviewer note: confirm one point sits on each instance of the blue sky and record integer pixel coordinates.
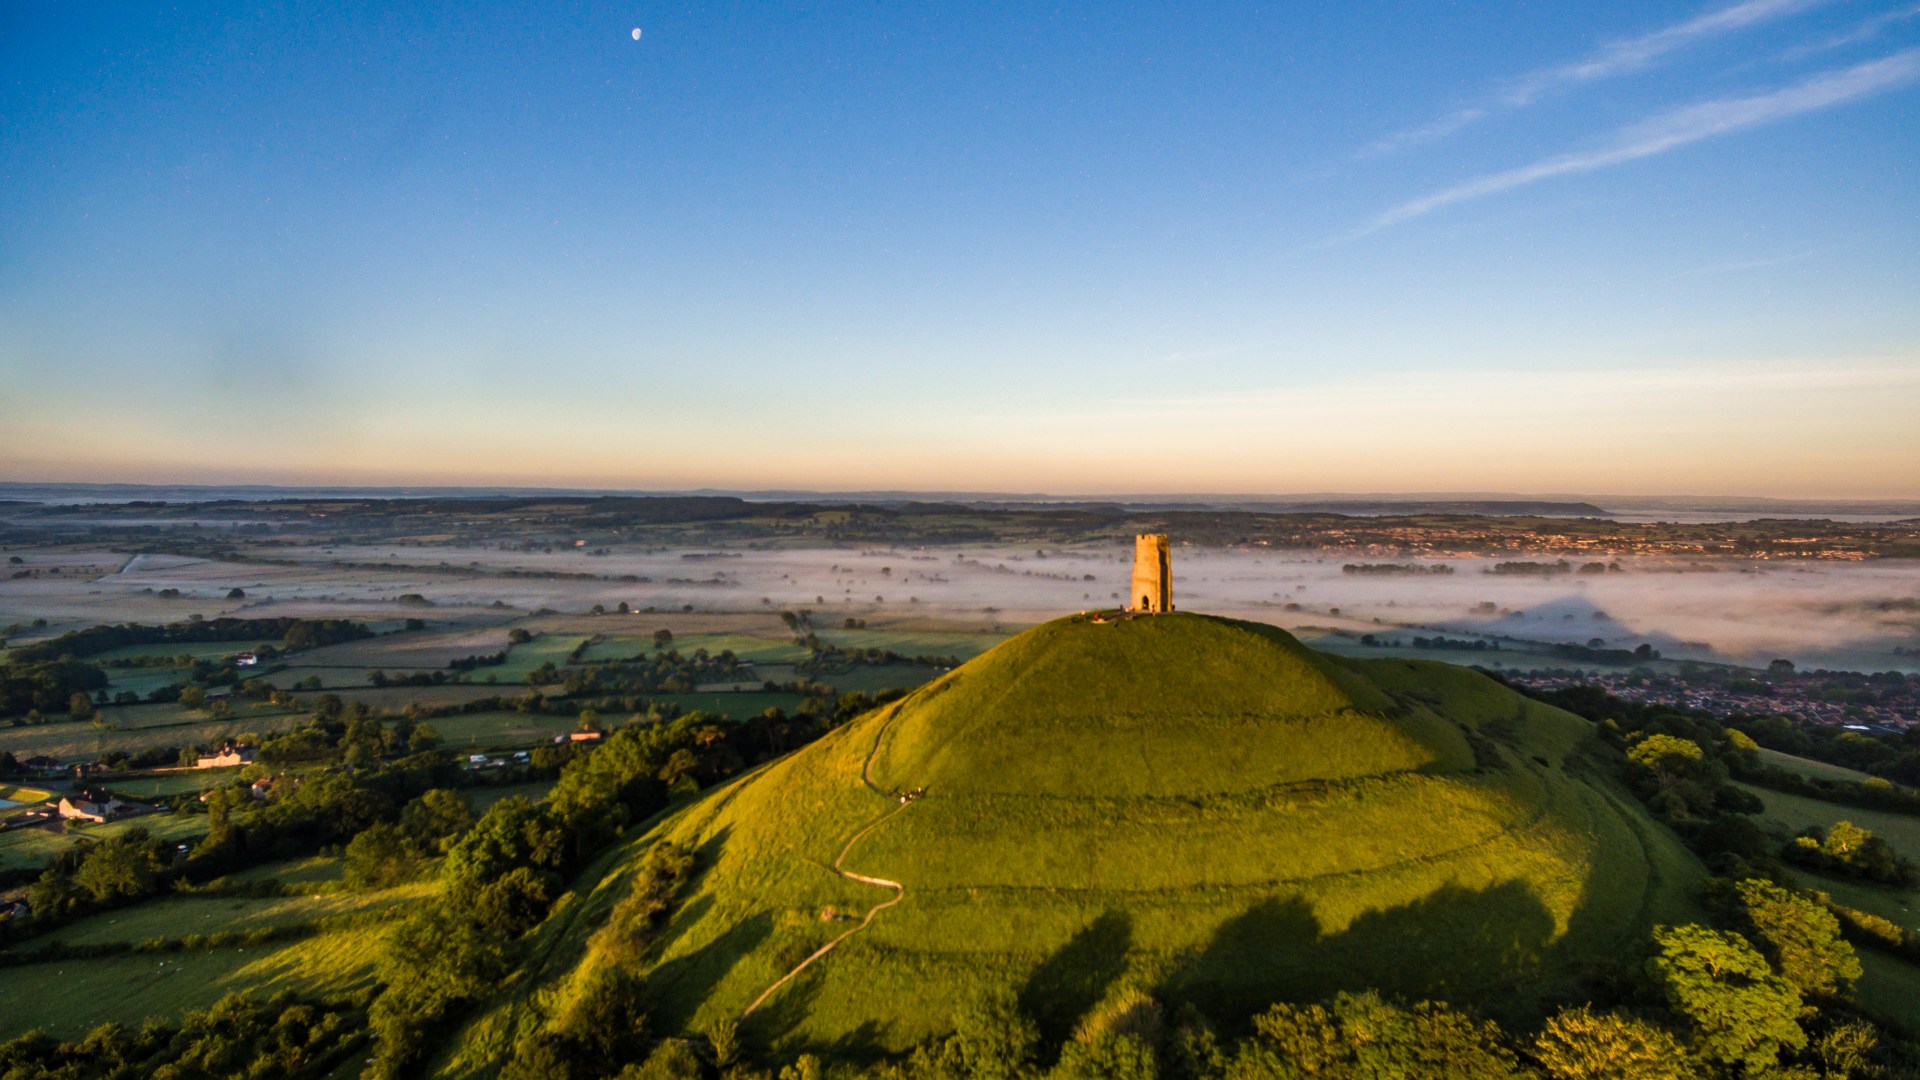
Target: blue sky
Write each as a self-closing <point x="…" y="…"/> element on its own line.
<point x="1629" y="247"/>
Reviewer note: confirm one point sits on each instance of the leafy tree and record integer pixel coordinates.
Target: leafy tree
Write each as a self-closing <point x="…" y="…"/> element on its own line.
<point x="516" y="902"/>
<point x="381" y="857"/>
<point x="1580" y="1044"/>
<point x="993" y="1039"/>
<point x="539" y="1057"/>
<point x="1665" y="753"/>
<point x="80" y="706"/>
<point x="1799" y="936"/>
<point x="1846" y="1049"/>
<point x="44" y="686"/>
<point x="1741" y="1013"/>
<point x="1193" y="1049"/>
<point x="437" y="818"/>
<point x="1363" y="1035"/>
<point x="673" y="1059"/>
<point x="120" y="868"/>
<point x="1110" y="1057"/>
<point x="1850" y="850"/>
<point x="423" y="738"/>
<point x="432" y="961"/>
<point x="805" y="1067"/>
<point x="512" y="833"/>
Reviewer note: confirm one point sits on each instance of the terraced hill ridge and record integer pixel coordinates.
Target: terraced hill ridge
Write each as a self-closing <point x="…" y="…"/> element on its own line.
<point x="1198" y="806"/>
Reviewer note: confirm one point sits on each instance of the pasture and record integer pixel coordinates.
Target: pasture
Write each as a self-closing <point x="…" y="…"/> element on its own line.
<point x="68" y="998"/>
<point x="85" y="741"/>
<point x="483" y="797"/>
<point x="963" y="644"/>
<point x="198" y="650"/>
<point x="309" y="870"/>
<point x="1795" y="812"/>
<point x="740" y="705"/>
<point x="523" y="658"/>
<point x="31" y="848"/>
<point x="181" y="915"/>
<point x="169" y="784"/>
<point x="478" y="731"/>
<point x="1890" y="987"/>
<point x="1819" y="770"/>
<point x="753" y="649"/>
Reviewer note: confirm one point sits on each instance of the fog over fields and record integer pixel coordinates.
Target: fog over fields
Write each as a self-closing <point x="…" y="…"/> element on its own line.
<point x="1862" y="616"/>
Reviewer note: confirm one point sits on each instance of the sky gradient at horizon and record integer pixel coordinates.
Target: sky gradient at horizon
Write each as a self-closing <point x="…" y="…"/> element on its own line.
<point x="1388" y="247"/>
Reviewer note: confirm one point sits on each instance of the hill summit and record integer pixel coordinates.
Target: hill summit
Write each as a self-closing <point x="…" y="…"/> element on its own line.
<point x="1199" y="807"/>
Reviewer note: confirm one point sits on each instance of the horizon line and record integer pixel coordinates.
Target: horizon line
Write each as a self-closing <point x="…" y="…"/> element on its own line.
<point x="949" y="495"/>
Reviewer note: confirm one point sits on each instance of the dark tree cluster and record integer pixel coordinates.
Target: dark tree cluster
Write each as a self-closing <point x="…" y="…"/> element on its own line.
<point x="238" y="1038"/>
<point x="297" y="633"/>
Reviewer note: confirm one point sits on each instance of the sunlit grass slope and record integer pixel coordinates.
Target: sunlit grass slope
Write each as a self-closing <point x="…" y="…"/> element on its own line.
<point x="1195" y="805"/>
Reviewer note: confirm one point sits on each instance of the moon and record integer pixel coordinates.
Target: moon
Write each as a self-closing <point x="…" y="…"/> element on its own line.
<point x="636" y="33"/>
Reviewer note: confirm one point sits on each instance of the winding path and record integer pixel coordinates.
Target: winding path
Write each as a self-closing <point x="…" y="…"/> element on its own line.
<point x="899" y="890"/>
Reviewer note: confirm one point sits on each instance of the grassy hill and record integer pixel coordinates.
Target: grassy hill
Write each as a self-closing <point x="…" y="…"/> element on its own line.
<point x="1202" y="807"/>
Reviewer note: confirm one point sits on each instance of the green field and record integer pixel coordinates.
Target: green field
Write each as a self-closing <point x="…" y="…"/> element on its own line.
<point x="1796" y="812"/>
<point x="478" y="731"/>
<point x="1193" y="805"/>
<point x="142" y="681"/>
<point x="70" y="742"/>
<point x="199" y="650"/>
<point x="756" y="650"/>
<point x="1887" y="978"/>
<point x="739" y="706"/>
<point x="168" y="785"/>
<point x="1898" y="905"/>
<point x="961" y="644"/>
<point x="32" y="847"/>
<point x="173" y="715"/>
<point x="178" y="916"/>
<point x="523" y="658"/>
<point x="1890" y="987"/>
<point x="872" y="677"/>
<point x="339" y="679"/>
<point x="24" y="796"/>
<point x="68" y="998"/>
<point x="482" y="797"/>
<point x="1808" y="767"/>
<point x="311" y="870"/>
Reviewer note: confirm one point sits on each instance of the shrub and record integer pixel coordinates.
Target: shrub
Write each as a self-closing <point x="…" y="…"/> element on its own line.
<point x="1580" y="1044"/>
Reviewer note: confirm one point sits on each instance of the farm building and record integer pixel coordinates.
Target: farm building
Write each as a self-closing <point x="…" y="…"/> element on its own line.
<point x="94" y="804"/>
<point x="228" y="755"/>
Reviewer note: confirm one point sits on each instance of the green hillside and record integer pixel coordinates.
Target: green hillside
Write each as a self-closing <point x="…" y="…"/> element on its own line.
<point x="1198" y="806"/>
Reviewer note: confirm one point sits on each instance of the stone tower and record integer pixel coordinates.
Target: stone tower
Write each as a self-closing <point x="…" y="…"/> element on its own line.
<point x="1152" y="590"/>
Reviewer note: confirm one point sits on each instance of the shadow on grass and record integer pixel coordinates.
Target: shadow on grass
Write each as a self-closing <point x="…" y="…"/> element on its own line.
<point x="1452" y="941"/>
<point x="705" y="858"/>
<point x="679" y="986"/>
<point x="1075" y="978"/>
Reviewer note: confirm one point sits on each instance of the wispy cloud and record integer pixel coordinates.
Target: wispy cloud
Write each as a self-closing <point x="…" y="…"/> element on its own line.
<point x="1678" y="128"/>
<point x="1616" y="58"/>
<point x="1866" y="30"/>
<point x="1739" y="265"/>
